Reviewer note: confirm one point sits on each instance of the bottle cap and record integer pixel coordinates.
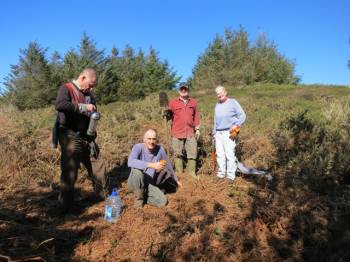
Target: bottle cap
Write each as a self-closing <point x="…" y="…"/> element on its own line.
<point x="114" y="192"/>
<point x="95" y="115"/>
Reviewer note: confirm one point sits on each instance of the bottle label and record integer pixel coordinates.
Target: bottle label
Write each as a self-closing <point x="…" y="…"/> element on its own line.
<point x="108" y="212"/>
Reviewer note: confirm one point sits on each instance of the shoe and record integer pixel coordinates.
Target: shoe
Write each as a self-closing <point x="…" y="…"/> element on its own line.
<point x="230" y="180"/>
<point x="219" y="179"/>
<point x="220" y="176"/>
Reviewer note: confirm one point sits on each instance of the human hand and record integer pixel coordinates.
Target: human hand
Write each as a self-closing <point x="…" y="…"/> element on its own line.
<point x="90" y="107"/>
<point x="197" y="134"/>
<point x="158" y="166"/>
<point x="178" y="183"/>
<point x="234" y="132"/>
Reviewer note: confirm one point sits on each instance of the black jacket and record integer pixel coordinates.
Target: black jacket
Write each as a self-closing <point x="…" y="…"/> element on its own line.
<point x="68" y="111"/>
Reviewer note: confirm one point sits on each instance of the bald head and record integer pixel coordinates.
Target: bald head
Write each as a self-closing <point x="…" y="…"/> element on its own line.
<point x="87" y="79"/>
<point x="150" y="139"/>
<point x="150" y="133"/>
<point x="88" y="72"/>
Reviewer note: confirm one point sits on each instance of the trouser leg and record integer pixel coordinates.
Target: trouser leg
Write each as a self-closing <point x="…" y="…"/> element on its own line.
<point x="136" y="185"/>
<point x="139" y="182"/>
<point x="191" y="152"/>
<point x="178" y="145"/>
<point x="97" y="173"/>
<point x="70" y="162"/>
<point x="69" y="171"/>
<point x="191" y="148"/>
<point x="230" y="156"/>
<point x="220" y="153"/>
<point x="135" y="180"/>
<point x="155" y="196"/>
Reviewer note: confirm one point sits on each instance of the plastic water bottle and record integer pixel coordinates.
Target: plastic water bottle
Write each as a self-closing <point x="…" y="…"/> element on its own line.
<point x="113" y="207"/>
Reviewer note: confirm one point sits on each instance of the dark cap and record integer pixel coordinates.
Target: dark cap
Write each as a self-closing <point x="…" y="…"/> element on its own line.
<point x="183" y="85"/>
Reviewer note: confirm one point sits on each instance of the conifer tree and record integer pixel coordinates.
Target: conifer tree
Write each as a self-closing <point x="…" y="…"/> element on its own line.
<point x="130" y="70"/>
<point x="35" y="80"/>
<point x="157" y="74"/>
<point x="30" y="83"/>
<point x="208" y="71"/>
<point x="88" y="56"/>
<point x="233" y="60"/>
<point x="107" y="90"/>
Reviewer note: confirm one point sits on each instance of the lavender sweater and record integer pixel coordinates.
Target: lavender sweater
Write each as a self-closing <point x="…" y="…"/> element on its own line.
<point x="228" y="114"/>
<point x="140" y="157"/>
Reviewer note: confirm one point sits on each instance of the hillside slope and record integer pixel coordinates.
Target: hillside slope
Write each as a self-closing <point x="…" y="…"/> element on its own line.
<point x="301" y="214"/>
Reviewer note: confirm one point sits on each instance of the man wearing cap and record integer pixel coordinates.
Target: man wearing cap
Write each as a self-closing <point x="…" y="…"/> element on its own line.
<point x="185" y="129"/>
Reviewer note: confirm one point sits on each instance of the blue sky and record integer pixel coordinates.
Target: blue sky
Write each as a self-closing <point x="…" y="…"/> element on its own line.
<point x="314" y="34"/>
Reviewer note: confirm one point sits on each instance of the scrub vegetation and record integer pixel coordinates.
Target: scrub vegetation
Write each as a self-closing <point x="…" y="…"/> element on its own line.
<point x="299" y="133"/>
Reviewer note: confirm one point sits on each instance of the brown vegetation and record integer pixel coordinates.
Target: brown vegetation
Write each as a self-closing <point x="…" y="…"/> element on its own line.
<point x="301" y="215"/>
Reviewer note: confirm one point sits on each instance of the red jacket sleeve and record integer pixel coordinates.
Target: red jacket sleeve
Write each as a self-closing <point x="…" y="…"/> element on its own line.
<point x="196" y="115"/>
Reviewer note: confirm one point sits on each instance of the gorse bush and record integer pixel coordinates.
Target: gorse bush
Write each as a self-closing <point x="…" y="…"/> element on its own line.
<point x="233" y="60"/>
<point x="309" y="198"/>
<point x="316" y="154"/>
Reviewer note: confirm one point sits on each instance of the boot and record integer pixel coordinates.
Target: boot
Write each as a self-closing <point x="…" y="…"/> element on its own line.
<point x="179" y="167"/>
<point x="191" y="168"/>
<point x="138" y="199"/>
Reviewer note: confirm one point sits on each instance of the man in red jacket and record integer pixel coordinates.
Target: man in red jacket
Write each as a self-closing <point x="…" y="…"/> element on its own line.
<point x="184" y="129"/>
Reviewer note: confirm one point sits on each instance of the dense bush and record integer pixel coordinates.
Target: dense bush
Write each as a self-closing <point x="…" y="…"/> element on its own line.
<point x="233" y="60"/>
<point x="310" y="196"/>
<point x="316" y="153"/>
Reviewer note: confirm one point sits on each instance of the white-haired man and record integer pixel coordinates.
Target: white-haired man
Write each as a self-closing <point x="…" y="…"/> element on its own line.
<point x="228" y="118"/>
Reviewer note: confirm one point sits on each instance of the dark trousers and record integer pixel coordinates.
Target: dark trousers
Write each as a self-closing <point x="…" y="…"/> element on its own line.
<point x="76" y="150"/>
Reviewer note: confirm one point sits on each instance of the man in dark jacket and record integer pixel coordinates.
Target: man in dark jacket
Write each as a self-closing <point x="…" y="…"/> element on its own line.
<point x="74" y="104"/>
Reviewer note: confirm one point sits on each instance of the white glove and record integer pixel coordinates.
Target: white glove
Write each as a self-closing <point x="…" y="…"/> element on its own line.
<point x="197" y="134"/>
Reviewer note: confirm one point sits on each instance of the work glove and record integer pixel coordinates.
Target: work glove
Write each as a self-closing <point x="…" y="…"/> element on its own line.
<point x="234" y="132"/>
<point x="197" y="133"/>
<point x="94" y="150"/>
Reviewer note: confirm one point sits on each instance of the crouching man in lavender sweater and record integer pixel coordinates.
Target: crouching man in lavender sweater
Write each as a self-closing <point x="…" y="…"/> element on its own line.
<point x="151" y="172"/>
